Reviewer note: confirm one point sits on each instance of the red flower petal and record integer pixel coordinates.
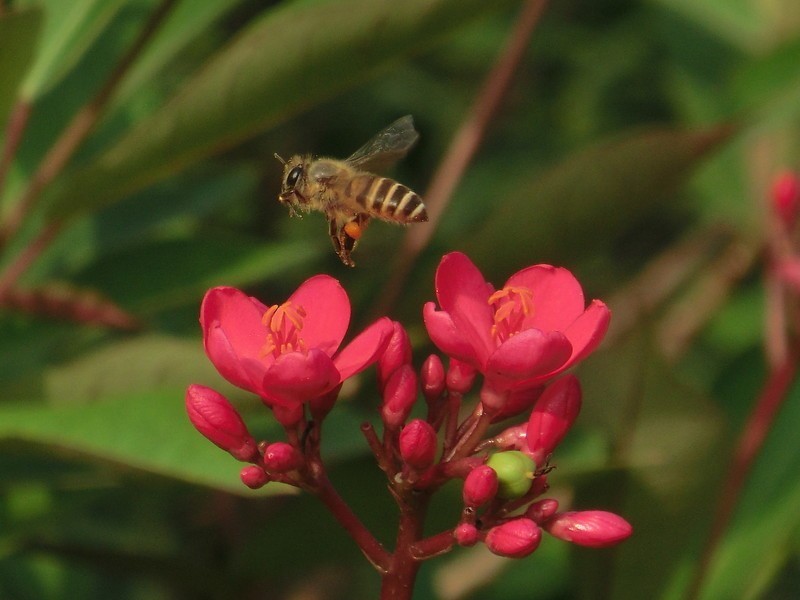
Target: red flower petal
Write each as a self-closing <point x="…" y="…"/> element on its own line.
<point x="239" y="317"/>
<point x="557" y="296"/>
<point x="233" y="336"/>
<point x="587" y="331"/>
<point x="297" y="377"/>
<point x="365" y="349"/>
<point x="327" y="312"/>
<point x="447" y="337"/>
<point x="528" y="354"/>
<point x="464" y="294"/>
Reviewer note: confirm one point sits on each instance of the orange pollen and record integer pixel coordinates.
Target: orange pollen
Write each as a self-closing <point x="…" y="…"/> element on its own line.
<point x="511" y="305"/>
<point x="284" y="322"/>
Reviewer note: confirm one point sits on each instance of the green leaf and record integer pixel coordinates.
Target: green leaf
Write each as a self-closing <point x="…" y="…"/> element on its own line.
<point x="165" y="274"/>
<point x="187" y="20"/>
<point x="146" y="431"/>
<point x="591" y="196"/>
<point x="743" y="22"/>
<point x="18" y="34"/>
<point x="759" y="539"/>
<point x="294" y="56"/>
<point x="69" y="30"/>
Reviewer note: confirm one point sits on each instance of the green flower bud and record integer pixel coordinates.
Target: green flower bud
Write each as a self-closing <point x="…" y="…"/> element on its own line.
<point x="515" y="471"/>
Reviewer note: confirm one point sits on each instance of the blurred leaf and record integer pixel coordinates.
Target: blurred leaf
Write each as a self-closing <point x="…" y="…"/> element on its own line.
<point x="743" y="22"/>
<point x="69" y="30"/>
<point x="146" y="431"/>
<point x="669" y="439"/>
<point x="760" y="537"/>
<point x="125" y="223"/>
<point x="18" y="35"/>
<point x="604" y="188"/>
<point x="322" y="48"/>
<point x="164" y="274"/>
<point x="769" y="86"/>
<point x="188" y="19"/>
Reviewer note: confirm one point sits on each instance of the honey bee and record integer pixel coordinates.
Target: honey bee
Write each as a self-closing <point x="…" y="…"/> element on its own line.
<point x="349" y="193"/>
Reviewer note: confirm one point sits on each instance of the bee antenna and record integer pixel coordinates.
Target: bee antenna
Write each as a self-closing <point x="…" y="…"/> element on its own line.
<point x="283" y="162"/>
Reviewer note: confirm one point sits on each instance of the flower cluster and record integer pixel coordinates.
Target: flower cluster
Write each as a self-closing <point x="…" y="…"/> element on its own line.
<point x="516" y="341"/>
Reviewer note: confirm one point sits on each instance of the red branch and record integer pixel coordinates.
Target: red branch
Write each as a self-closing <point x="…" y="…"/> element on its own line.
<point x="747" y="448"/>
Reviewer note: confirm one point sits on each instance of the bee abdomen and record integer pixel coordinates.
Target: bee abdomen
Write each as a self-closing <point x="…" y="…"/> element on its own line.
<point x="387" y="199"/>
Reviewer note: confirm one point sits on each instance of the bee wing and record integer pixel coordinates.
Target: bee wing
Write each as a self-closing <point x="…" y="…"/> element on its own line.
<point x="387" y="147"/>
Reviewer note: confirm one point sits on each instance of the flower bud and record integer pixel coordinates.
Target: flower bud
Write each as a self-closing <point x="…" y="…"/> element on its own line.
<point x="320" y="407"/>
<point x="460" y="376"/>
<point x="542" y="510"/>
<point x="512" y="438"/>
<point x="254" y="477"/>
<point x="515" y="402"/>
<point x="786" y="197"/>
<point x="216" y="418"/>
<point x="552" y="416"/>
<point x="398" y="397"/>
<point x="480" y="486"/>
<point x="466" y="534"/>
<point x="418" y="444"/>
<point x="432" y="375"/>
<point x="397" y="354"/>
<point x="514" y="473"/>
<point x="289" y="416"/>
<point x="592" y="528"/>
<point x="493" y="399"/>
<point x="516" y="538"/>
<point x="280" y="457"/>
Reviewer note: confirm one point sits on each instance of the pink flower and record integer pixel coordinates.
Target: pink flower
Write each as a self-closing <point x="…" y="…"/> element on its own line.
<point x="288" y="353"/>
<point x="518" y="337"/>
<point x="417" y="444"/>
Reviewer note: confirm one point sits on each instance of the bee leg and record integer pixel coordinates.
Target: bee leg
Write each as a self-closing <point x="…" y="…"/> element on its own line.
<point x="342" y="243"/>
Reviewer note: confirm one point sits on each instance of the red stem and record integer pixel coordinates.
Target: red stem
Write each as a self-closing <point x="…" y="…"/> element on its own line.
<point x="747" y="448"/>
<point x="398" y="582"/>
<point x="462" y="149"/>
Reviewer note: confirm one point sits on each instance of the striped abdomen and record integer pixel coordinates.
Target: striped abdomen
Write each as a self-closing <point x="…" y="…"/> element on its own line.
<point x="384" y="198"/>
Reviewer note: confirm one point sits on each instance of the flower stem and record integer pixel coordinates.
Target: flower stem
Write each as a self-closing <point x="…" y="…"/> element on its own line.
<point x="398" y="582"/>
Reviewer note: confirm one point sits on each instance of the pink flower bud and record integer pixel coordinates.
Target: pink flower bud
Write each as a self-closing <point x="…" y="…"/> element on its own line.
<point x="466" y="534"/>
<point x="254" y="477"/>
<point x="517" y="401"/>
<point x="418" y="444"/>
<point x="321" y="406"/>
<point x="460" y="376"/>
<point x="512" y="438"/>
<point x="493" y="399"/>
<point x="288" y="416"/>
<point x="216" y="418"/>
<point x="480" y="486"/>
<point x="552" y="416"/>
<point x="592" y="528"/>
<point x="542" y="510"/>
<point x="398" y="397"/>
<point x="397" y="354"/>
<point x="516" y="538"/>
<point x="280" y="457"/>
<point x="786" y="197"/>
<point x="432" y="375"/>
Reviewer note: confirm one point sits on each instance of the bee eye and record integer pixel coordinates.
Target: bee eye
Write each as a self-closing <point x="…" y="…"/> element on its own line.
<point x="293" y="176"/>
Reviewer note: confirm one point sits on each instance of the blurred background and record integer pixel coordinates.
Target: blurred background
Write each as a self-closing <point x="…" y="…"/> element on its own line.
<point x="634" y="142"/>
